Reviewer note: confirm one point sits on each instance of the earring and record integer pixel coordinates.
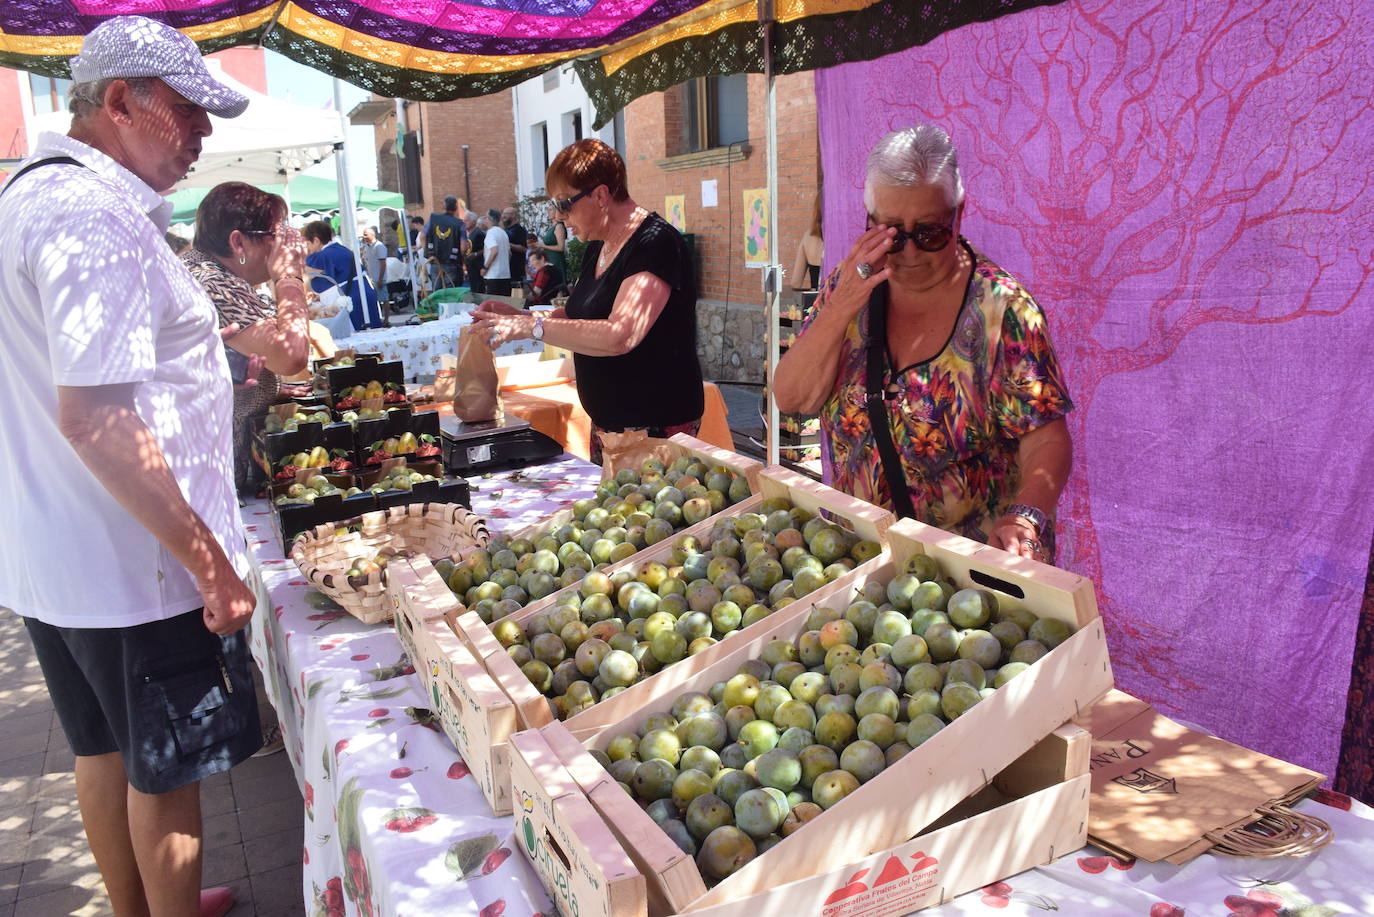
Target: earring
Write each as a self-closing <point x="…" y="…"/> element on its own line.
<point x="243" y="259"/>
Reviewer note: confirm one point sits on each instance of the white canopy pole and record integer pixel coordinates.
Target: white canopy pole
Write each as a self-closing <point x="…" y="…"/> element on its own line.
<point x="413" y="259"/>
<point x="772" y="274"/>
<point x="348" y="198"/>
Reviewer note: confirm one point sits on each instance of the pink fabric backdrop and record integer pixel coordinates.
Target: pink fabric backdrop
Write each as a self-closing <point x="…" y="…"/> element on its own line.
<point x="1188" y="190"/>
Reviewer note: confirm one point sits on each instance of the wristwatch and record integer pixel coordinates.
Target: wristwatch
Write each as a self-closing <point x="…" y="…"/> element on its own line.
<point x="1029" y="513"/>
<point x="537" y="332"/>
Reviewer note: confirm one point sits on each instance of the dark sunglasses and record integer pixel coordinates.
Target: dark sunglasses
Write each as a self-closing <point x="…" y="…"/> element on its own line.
<point x="565" y="204"/>
<point x="266" y="233"/>
<point x="928" y="237"/>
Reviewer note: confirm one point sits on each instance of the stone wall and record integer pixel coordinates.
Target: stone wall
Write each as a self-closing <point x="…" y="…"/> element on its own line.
<point x="730" y="342"/>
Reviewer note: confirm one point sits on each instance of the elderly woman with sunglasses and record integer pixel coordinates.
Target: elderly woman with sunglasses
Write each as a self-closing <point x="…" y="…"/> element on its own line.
<point x="967" y="405"/>
<point x="242" y="241"/>
<point x="631" y="319"/>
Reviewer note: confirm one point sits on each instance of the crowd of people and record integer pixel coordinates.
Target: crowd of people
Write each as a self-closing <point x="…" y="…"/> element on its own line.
<point x="141" y="368"/>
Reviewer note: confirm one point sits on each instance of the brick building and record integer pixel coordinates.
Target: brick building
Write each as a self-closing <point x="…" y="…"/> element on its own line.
<point x="435" y="164"/>
<point x="715" y="129"/>
<point x="706" y="130"/>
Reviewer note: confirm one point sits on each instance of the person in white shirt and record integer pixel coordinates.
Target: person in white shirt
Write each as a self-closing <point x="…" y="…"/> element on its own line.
<point x="128" y="563"/>
<point x="374" y="258"/>
<point x="495" y="259"/>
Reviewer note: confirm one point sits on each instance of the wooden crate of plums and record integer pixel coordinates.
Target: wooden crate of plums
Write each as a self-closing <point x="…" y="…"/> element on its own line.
<point x="473" y="712"/>
<point x="1029" y="814"/>
<point x="639" y="629"/>
<point x="879" y="706"/>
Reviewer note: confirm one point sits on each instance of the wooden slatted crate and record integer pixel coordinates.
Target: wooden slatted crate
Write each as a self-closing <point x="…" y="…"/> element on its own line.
<point x="475" y="714"/>
<point x="864" y="519"/>
<point x="956" y="763"/>
<point x="1028" y="814"/>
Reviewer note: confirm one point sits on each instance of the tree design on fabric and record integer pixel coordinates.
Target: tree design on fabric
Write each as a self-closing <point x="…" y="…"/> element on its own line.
<point x="1155" y="165"/>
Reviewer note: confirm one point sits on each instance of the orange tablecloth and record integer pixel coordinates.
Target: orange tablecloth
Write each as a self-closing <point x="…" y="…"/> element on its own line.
<point x="555" y="411"/>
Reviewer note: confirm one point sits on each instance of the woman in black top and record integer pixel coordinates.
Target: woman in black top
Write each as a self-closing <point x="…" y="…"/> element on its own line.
<point x="631" y="320"/>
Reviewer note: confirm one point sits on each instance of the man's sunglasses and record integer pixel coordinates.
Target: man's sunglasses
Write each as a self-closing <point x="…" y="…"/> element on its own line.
<point x="565" y="204"/>
<point x="928" y="237"/>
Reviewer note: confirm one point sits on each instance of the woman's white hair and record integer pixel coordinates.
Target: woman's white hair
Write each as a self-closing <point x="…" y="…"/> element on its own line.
<point x="910" y="158"/>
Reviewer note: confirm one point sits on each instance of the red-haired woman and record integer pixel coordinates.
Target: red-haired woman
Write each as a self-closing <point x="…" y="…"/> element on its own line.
<point x="631" y="320"/>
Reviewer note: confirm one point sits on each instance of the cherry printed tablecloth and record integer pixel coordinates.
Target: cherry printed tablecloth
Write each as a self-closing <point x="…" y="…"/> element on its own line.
<point x="394" y="825"/>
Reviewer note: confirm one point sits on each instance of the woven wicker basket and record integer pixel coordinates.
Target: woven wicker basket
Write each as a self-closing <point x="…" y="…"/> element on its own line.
<point x="433" y="529"/>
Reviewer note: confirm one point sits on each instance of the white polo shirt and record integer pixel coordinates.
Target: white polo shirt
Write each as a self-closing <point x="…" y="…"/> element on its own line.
<point x="92" y="295"/>
<point x="497" y="239"/>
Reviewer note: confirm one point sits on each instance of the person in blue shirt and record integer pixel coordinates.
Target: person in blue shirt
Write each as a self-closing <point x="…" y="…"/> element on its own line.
<point x="335" y="263"/>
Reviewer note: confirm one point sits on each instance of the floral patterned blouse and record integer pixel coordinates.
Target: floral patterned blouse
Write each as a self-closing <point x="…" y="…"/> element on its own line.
<point x="955" y="418"/>
<point x="235" y="303"/>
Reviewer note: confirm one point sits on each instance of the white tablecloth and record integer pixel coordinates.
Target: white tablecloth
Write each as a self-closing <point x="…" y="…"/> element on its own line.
<point x="421" y="346"/>
<point x="394" y="825"/>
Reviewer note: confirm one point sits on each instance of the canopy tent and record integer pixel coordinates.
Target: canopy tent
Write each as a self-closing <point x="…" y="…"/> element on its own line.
<point x="272" y="141"/>
<point x="305" y="193"/>
<point x="449" y="49"/>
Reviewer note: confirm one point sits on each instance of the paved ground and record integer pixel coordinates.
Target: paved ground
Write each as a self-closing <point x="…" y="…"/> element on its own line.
<point x="253" y="815"/>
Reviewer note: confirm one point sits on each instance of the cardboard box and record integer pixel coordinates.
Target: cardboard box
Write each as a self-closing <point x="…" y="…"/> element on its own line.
<point x="1159" y="788"/>
<point x="1027" y="814"/>
<point x="396" y="423"/>
<point x="958" y="760"/>
<point x="472" y="711"/>
<point x="866" y="520"/>
<point x="294" y="519"/>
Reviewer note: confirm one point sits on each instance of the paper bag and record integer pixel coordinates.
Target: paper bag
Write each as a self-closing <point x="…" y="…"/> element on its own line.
<point x="629" y="450"/>
<point x="446" y="379"/>
<point x="1161" y="791"/>
<point x="476" y="397"/>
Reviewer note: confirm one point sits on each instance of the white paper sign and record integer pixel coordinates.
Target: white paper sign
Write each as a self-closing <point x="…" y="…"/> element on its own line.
<point x="708" y="193"/>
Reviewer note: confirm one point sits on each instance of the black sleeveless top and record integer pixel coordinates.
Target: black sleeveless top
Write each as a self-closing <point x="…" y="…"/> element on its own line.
<point x="658" y="383"/>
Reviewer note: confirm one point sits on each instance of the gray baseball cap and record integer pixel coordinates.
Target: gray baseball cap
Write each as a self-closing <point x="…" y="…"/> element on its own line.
<point x="135" y="46"/>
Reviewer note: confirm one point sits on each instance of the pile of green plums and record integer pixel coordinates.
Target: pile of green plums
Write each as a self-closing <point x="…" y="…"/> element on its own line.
<point x="729" y="773"/>
<point x="630" y="512"/>
<point x="617" y="628"/>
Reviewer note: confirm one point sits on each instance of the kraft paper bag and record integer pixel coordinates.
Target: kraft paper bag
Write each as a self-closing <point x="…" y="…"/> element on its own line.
<point x="1162" y="791"/>
<point x="477" y="395"/>
<point x="446" y="379"/>
<point x="629" y="450"/>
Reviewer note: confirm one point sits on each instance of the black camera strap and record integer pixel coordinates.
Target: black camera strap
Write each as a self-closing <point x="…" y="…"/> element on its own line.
<point x="50" y="161"/>
<point x="876" y="345"/>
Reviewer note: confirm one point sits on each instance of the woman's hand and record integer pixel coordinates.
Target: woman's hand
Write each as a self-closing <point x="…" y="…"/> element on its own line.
<point x="497" y="307"/>
<point x="1015" y="535"/>
<point x="502" y="326"/>
<point x="288" y="256"/>
<point x="852" y="289"/>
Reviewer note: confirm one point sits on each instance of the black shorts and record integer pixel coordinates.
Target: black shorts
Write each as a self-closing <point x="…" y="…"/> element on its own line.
<point x="175" y="700"/>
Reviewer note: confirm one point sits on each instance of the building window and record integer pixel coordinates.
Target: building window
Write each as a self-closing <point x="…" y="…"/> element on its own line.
<point x="716" y="112"/>
<point x="551" y="79"/>
<point x="572" y="126"/>
<point x="539" y="153"/>
<point x="49" y="93"/>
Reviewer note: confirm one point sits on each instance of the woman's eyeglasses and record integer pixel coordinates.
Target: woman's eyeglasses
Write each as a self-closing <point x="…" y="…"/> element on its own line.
<point x="565" y="204"/>
<point x="265" y="233"/>
<point x="928" y="237"/>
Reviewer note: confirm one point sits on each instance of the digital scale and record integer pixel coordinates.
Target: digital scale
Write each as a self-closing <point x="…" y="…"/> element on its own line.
<point x="493" y="445"/>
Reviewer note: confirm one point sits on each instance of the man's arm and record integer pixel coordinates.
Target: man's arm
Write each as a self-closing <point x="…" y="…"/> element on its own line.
<point x="116" y="445"/>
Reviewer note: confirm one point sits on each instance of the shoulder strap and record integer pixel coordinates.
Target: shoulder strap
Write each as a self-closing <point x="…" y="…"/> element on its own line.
<point x="52" y="160"/>
<point x="876" y="346"/>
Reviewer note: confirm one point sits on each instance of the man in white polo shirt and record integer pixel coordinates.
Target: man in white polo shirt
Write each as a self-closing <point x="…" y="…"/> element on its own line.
<point x="126" y="557"/>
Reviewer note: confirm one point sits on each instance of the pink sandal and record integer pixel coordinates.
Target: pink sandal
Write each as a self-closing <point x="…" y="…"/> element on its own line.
<point x="216" y="902"/>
